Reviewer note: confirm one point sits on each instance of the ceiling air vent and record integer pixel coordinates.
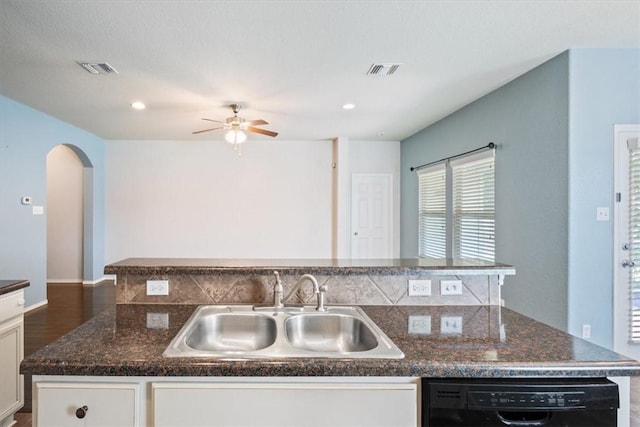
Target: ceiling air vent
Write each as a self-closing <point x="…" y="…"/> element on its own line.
<point x="97" y="67"/>
<point x="382" y="69"/>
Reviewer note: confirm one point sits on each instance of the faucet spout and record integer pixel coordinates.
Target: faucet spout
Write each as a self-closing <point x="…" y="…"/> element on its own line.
<point x="301" y="280"/>
<point x="318" y="290"/>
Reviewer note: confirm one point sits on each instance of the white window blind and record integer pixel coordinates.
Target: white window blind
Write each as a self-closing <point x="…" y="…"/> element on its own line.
<point x="456" y="203"/>
<point x="474" y="207"/>
<point x="432" y="216"/>
<point x="634" y="243"/>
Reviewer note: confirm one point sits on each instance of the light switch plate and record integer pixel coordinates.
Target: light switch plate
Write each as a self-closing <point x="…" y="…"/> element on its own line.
<point x="602" y="214"/>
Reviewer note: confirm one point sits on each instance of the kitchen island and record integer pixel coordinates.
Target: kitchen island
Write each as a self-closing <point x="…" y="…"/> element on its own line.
<point x="118" y="354"/>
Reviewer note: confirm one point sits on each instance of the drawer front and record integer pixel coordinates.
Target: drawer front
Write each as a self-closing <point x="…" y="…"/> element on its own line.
<point x="100" y="404"/>
<point x="284" y="405"/>
<point x="11" y="305"/>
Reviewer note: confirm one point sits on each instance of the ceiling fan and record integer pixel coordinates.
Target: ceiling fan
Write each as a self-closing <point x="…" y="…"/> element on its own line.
<point x="236" y="127"/>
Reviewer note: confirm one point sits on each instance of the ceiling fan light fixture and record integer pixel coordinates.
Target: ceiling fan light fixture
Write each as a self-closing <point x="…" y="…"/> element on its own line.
<point x="235" y="136"/>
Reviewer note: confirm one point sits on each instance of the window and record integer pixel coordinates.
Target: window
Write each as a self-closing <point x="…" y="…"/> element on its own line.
<point x="433" y="212"/>
<point x="634" y="241"/>
<point x="457" y="208"/>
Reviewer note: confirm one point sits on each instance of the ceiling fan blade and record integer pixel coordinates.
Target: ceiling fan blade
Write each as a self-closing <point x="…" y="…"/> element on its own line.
<point x="262" y="131"/>
<point x="211" y="120"/>
<point x="206" y="130"/>
<point x="256" y="122"/>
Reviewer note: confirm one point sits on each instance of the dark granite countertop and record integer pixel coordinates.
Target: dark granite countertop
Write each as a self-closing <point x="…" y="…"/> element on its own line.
<point x="495" y="342"/>
<point x="312" y="266"/>
<point x="7" y="286"/>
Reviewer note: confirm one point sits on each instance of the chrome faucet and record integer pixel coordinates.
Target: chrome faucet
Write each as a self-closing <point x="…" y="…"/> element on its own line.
<point x="278" y="300"/>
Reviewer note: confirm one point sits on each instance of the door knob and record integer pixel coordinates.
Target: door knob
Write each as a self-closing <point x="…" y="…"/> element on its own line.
<point x="355" y="234"/>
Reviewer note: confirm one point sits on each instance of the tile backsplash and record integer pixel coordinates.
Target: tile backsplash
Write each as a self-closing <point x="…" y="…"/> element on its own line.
<point x="366" y="289"/>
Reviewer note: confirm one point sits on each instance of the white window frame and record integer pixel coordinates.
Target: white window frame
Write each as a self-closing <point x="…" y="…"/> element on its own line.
<point x="483" y="212"/>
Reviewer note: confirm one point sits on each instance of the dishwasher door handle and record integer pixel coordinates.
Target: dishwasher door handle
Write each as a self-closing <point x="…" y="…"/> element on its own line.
<point x="527" y="419"/>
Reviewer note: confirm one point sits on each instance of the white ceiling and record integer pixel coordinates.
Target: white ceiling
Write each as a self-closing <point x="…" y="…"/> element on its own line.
<point x="292" y="63"/>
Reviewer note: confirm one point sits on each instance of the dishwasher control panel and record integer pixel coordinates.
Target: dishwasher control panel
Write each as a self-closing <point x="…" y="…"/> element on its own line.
<point x="524" y="400"/>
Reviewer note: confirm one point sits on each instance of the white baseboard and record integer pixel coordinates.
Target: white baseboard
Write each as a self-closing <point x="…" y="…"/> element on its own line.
<point x="110" y="277"/>
<point x="36" y="305"/>
<point x="84" y="282"/>
<point x="54" y="281"/>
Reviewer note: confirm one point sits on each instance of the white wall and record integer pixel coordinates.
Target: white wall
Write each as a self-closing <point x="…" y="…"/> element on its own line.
<point x="64" y="215"/>
<point x="199" y="199"/>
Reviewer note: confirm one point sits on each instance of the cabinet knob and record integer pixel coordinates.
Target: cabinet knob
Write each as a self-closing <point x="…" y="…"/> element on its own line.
<point x="82" y="412"/>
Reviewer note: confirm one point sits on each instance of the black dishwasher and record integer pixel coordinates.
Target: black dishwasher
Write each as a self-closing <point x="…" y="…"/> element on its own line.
<point x="519" y="402"/>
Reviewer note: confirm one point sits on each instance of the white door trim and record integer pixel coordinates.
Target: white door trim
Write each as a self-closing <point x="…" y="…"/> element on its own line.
<point x="620" y="308"/>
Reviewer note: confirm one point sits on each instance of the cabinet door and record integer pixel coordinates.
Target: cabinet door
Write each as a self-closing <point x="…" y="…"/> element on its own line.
<point x="108" y="405"/>
<point x="277" y="404"/>
<point x="11" y="382"/>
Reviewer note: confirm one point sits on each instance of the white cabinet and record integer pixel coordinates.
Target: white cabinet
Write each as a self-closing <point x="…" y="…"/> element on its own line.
<point x="86" y="404"/>
<point x="284" y="404"/>
<point x="226" y="401"/>
<point x="11" y="354"/>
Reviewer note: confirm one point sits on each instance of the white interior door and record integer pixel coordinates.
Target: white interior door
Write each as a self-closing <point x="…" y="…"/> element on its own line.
<point x="626" y="284"/>
<point x="371" y="216"/>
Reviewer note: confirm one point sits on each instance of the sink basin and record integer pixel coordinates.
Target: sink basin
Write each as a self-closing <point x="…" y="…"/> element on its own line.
<point x="329" y="333"/>
<point x="240" y="332"/>
<point x="232" y="332"/>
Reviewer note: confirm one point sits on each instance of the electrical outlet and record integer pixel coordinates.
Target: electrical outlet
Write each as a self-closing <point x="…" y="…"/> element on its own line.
<point x="157" y="320"/>
<point x="451" y="325"/>
<point x="586" y="331"/>
<point x="451" y="287"/>
<point x="157" y="287"/>
<point x="420" y="325"/>
<point x="419" y="287"/>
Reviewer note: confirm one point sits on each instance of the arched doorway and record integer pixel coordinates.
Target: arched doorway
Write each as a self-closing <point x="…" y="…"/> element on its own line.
<point x="69" y="215"/>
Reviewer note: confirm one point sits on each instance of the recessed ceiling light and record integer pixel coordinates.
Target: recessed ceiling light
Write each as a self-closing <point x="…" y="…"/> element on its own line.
<point x="348" y="106"/>
<point x="138" y="105"/>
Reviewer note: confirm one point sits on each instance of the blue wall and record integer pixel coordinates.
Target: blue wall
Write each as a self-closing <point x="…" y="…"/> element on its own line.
<point x="554" y="167"/>
<point x="528" y="119"/>
<point x="26" y="137"/>
<point x="604" y="91"/>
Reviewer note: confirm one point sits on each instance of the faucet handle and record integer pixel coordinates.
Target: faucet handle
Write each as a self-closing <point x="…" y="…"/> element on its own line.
<point x="321" y="292"/>
<point x="277" y="291"/>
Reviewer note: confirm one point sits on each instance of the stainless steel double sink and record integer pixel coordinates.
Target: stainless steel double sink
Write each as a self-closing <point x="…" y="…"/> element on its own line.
<point x="245" y="332"/>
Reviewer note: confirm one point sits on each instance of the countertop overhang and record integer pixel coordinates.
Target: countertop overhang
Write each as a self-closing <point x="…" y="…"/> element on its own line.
<point x="301" y="266"/>
<point x="494" y="342"/>
<point x="7" y="286"/>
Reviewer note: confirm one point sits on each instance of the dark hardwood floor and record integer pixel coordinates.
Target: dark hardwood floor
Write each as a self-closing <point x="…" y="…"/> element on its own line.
<point x="70" y="305"/>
